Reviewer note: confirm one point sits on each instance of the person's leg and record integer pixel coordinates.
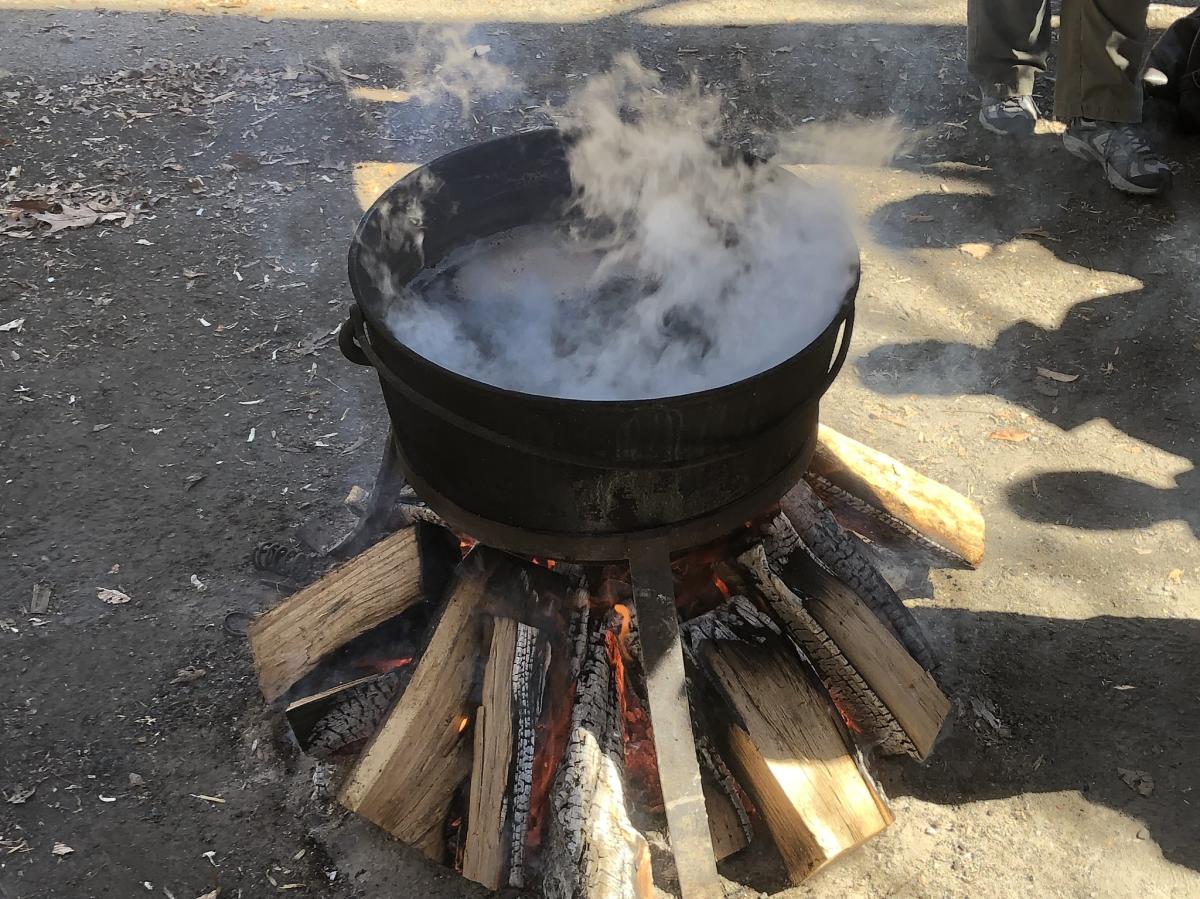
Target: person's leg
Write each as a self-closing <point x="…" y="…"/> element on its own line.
<point x="1007" y="43"/>
<point x="1101" y="47"/>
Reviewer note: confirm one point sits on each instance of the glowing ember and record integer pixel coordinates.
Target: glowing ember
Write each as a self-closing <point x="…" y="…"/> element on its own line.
<point x="722" y="586"/>
<point x="387" y="665"/>
<point x="462" y="723"/>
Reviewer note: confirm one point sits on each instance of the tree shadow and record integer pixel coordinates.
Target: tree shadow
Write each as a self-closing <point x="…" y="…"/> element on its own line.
<point x="1130" y="355"/>
<point x="1079" y="702"/>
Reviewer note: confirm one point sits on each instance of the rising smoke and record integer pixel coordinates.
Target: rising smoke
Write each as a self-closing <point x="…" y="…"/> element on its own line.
<point x="684" y="267"/>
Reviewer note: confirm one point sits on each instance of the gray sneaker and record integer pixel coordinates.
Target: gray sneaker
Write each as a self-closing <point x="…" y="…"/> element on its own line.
<point x="1014" y="116"/>
<point x="1129" y="163"/>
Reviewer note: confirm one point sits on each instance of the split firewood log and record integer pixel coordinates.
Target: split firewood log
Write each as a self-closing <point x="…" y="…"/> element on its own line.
<point x="409" y="773"/>
<point x="841" y="554"/>
<point x="872" y="678"/>
<point x="941" y="514"/>
<point x="393" y="576"/>
<point x="504" y="732"/>
<point x="785" y="740"/>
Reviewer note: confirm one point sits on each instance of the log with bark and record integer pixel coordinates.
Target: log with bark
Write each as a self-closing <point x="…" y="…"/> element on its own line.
<point x="341" y="716"/>
<point x="939" y="513"/>
<point x="842" y="555"/>
<point x="531" y="665"/>
<point x="591" y="850"/>
<point x="786" y="743"/>
<point x="891" y="699"/>
<point x="384" y="581"/>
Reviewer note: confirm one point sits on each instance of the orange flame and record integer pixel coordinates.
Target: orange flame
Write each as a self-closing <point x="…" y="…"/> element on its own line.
<point x="722" y="586"/>
<point x="641" y="763"/>
<point x="462" y="724"/>
<point x="626" y="627"/>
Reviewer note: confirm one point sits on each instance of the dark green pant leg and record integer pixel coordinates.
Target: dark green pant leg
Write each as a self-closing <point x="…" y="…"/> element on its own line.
<point x="1101" y="47"/>
<point x="1007" y="43"/>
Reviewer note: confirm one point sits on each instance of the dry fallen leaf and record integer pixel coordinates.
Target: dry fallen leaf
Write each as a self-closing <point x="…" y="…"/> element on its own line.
<point x="1140" y="781"/>
<point x="39" y="604"/>
<point x="1011" y="435"/>
<point x="976" y="250"/>
<point x="188" y="675"/>
<point x="1175" y="576"/>
<point x="61" y="849"/>
<point x="1036" y="232"/>
<point x="213" y="895"/>
<point x="1057" y="375"/>
<point x="112" y="597"/>
<point x="15" y="325"/>
<point x="20" y="795"/>
<point x="920" y="217"/>
<point x="75" y="217"/>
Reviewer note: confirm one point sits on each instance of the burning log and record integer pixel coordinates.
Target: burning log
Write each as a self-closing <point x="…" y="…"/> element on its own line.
<point x="486" y="855"/>
<point x="409" y="513"/>
<point x="392" y="576"/>
<point x="343" y="715"/>
<point x="591" y="850"/>
<point x="874" y="525"/>
<point x="786" y="742"/>
<point x="841" y="554"/>
<point x="944" y="516"/>
<point x="530" y="666"/>
<point x="406" y="778"/>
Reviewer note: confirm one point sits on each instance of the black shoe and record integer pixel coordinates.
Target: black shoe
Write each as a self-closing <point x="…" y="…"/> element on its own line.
<point x="1015" y="116"/>
<point x="1129" y="163"/>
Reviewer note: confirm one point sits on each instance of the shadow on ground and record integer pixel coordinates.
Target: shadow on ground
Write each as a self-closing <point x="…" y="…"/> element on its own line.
<point x="1096" y="696"/>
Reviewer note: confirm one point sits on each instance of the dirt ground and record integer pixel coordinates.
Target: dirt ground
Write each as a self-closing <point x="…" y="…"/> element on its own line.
<point x="174" y="395"/>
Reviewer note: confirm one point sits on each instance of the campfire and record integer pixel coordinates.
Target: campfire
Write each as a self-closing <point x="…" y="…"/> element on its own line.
<point x="496" y="712"/>
<point x="572" y="630"/>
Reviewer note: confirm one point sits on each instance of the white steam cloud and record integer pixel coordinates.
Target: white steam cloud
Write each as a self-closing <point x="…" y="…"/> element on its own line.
<point x="681" y="266"/>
